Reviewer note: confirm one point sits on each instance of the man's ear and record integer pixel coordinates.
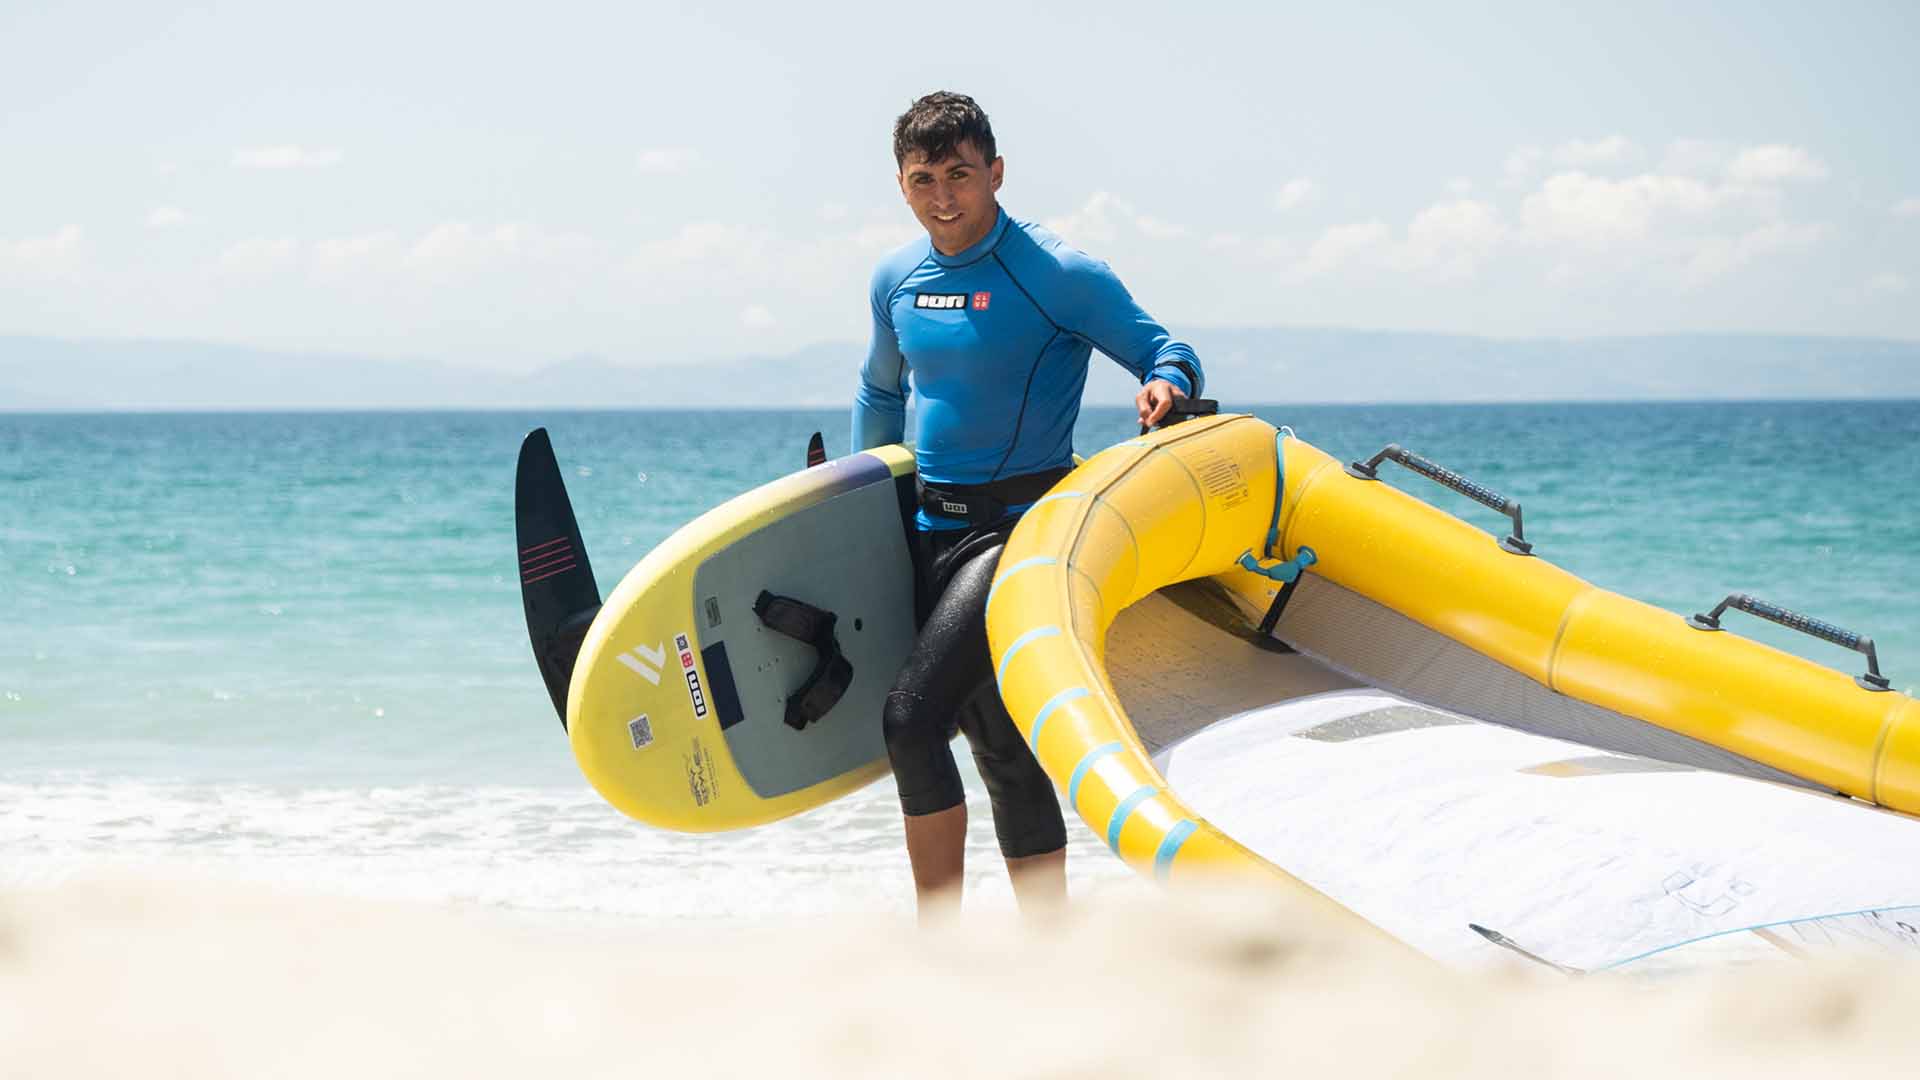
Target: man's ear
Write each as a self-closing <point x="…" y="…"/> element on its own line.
<point x="901" y="179"/>
<point x="997" y="171"/>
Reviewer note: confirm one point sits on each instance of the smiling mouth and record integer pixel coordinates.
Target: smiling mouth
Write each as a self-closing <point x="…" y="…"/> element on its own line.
<point x="946" y="219"/>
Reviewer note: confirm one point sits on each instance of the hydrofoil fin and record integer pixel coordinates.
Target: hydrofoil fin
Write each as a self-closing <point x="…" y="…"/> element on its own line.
<point x="556" y="582"/>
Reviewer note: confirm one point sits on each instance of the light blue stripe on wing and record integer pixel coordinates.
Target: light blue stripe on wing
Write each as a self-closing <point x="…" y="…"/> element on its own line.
<point x="1022" y="642"/>
<point x="1053" y="703"/>
<point x="1163" y="858"/>
<point x="1086" y="765"/>
<point x="1037" y="560"/>
<point x="1057" y="495"/>
<point x="1123" y="811"/>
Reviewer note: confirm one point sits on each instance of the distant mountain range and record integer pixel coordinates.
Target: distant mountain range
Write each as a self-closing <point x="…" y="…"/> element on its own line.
<point x="1244" y="367"/>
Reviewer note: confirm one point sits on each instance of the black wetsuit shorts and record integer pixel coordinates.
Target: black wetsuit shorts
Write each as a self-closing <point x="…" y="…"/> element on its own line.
<point x="947" y="684"/>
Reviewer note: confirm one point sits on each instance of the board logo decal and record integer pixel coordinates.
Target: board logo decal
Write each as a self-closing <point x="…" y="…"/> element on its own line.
<point x="941" y="301"/>
<point x="980" y="300"/>
<point x="641" y="730"/>
<point x="700" y="774"/>
<point x="646" y="662"/>
<point x="694" y="692"/>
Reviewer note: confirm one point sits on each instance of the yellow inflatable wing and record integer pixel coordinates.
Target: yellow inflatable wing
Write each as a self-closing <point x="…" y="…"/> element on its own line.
<point x="1395" y="595"/>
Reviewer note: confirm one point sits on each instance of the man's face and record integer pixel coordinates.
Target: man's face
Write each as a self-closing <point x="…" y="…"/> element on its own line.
<point x="953" y="197"/>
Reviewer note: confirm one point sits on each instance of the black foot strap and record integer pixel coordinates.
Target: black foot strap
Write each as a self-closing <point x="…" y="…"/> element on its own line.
<point x="1263" y="637"/>
<point x="809" y="625"/>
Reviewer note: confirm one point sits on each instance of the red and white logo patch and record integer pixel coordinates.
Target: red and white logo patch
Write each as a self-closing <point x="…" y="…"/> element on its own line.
<point x="980" y="300"/>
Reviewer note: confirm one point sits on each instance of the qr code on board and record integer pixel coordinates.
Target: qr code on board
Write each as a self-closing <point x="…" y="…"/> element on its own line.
<point x="641" y="730"/>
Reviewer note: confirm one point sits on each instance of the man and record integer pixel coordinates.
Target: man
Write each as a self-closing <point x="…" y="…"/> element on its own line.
<point x="995" y="318"/>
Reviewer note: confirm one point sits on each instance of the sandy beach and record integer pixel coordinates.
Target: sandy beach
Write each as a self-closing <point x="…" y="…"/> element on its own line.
<point x="159" y="975"/>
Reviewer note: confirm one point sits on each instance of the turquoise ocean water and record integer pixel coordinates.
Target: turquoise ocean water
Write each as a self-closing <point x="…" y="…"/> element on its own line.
<point x="290" y="646"/>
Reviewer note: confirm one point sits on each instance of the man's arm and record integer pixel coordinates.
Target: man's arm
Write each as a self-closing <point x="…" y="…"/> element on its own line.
<point x="1104" y="314"/>
<point x="880" y="402"/>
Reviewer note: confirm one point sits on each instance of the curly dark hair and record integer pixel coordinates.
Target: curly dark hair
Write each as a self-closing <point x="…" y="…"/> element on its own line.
<point x="937" y="124"/>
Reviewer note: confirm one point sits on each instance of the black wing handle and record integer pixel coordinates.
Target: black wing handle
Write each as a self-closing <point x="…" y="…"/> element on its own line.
<point x="1516" y="542"/>
<point x="1871" y="679"/>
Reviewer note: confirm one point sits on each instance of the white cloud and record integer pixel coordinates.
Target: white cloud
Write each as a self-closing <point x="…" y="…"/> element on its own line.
<point x="1343" y="245"/>
<point x="166" y="217"/>
<point x="1775" y="163"/>
<point x="1716" y="256"/>
<point x="704" y="241"/>
<point x="1524" y="162"/>
<point x="1222" y="241"/>
<point x="1104" y="216"/>
<point x="665" y="160"/>
<point x="1092" y="224"/>
<point x="285" y="157"/>
<point x="1582" y="154"/>
<point x="57" y="245"/>
<point x="352" y="248"/>
<point x="1696" y="157"/>
<point x="452" y="249"/>
<point x="1158" y="228"/>
<point x="459" y="245"/>
<point x="1596" y="214"/>
<point x="1907" y="208"/>
<point x="1708" y="212"/>
<point x="1449" y="240"/>
<point x="1460" y="185"/>
<point x="1887" y="284"/>
<point x="1296" y="192"/>
<point x="884" y="236"/>
<point x="756" y="317"/>
<point x="50" y="255"/>
<point x="1520" y="164"/>
<point x="353" y="257"/>
<point x="258" y="256"/>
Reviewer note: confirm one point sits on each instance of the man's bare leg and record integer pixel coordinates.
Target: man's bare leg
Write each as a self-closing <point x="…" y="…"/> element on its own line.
<point x="1039" y="881"/>
<point x="937" y="848"/>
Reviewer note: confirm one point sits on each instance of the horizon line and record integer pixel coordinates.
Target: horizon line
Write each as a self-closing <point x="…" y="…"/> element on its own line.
<point x="413" y="410"/>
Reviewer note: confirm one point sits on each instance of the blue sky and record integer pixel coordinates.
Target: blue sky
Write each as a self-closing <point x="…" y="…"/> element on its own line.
<point x="507" y="184"/>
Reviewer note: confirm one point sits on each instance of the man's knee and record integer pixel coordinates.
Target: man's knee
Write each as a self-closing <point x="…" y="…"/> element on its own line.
<point x="1026" y="811"/>
<point x="918" y="750"/>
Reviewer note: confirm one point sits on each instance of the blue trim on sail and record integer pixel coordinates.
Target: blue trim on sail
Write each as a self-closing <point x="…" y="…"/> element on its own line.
<point x="1757" y="926"/>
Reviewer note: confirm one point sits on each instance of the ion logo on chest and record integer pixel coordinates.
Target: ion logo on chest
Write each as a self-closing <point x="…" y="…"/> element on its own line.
<point x="956" y="301"/>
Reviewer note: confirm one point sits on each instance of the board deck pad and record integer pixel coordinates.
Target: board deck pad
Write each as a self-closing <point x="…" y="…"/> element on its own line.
<point x="679" y="701"/>
<point x="824" y="557"/>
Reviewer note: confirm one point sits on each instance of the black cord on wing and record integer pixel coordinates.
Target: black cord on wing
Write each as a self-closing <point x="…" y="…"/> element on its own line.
<point x="1508" y="943"/>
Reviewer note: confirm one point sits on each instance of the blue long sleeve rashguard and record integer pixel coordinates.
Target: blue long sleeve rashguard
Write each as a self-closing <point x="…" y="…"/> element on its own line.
<point x="996" y="341"/>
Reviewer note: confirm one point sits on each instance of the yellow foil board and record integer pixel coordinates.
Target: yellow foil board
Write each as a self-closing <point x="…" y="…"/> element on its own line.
<point x="676" y="708"/>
